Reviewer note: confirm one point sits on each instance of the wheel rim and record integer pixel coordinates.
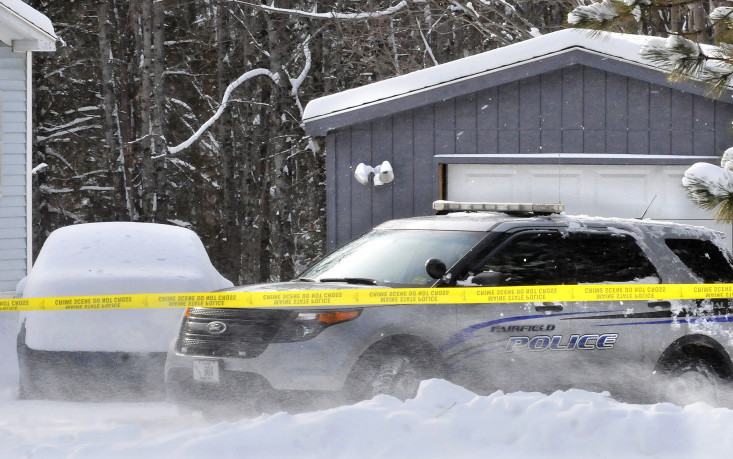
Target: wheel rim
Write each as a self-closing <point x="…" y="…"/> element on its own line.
<point x="398" y="377"/>
<point x="406" y="383"/>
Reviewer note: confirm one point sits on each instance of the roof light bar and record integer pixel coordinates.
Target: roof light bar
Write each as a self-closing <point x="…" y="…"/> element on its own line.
<point x="510" y="207"/>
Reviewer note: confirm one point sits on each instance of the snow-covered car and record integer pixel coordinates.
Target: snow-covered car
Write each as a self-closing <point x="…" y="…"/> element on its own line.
<point x="107" y="353"/>
<point x="222" y="354"/>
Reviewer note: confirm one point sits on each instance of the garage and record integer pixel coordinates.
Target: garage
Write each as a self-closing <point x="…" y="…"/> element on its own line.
<point x="649" y="191"/>
<point x="565" y="117"/>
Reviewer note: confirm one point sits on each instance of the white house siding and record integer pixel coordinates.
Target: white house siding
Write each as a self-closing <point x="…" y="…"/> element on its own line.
<point x="13" y="231"/>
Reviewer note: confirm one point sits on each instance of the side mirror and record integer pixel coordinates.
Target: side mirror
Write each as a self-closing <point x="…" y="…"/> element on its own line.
<point x="435" y="268"/>
<point x="489" y="279"/>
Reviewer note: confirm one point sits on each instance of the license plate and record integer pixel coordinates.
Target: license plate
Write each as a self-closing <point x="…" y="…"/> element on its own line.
<point x="206" y="371"/>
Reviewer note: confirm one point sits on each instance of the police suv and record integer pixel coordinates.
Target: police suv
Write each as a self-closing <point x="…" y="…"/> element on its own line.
<point x="358" y="352"/>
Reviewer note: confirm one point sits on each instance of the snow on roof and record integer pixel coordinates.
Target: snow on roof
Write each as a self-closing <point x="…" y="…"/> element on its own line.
<point x="25" y="28"/>
<point x="111" y="258"/>
<point x="620" y="46"/>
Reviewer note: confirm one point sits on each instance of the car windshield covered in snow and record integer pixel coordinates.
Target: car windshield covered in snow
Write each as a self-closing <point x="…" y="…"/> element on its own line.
<point x="393" y="256"/>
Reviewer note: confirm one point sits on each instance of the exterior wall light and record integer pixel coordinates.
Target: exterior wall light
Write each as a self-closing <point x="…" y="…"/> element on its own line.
<point x="383" y="173"/>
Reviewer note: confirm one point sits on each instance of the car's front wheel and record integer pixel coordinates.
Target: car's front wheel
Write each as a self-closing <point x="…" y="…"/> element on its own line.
<point x="391" y="373"/>
<point x="398" y="376"/>
<point x="696" y="380"/>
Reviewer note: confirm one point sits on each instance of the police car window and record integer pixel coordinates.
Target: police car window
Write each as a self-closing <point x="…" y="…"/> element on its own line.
<point x="394" y="256"/>
<point x="599" y="258"/>
<point x="534" y="259"/>
<point x="703" y="258"/>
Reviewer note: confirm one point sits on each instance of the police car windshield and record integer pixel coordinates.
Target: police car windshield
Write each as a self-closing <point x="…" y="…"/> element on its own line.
<point x="394" y="256"/>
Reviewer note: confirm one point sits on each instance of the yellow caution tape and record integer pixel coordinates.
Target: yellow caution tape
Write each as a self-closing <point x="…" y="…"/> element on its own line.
<point x="377" y="297"/>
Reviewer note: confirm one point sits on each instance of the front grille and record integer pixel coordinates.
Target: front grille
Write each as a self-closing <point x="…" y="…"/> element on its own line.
<point x="245" y="332"/>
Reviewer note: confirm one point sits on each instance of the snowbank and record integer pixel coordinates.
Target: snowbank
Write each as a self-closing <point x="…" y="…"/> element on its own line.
<point x="443" y="421"/>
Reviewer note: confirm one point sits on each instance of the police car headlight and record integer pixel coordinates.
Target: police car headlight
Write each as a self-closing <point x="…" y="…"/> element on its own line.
<point x="302" y="326"/>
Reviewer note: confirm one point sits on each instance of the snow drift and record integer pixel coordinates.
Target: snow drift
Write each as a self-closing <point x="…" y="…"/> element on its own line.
<point x="444" y="420"/>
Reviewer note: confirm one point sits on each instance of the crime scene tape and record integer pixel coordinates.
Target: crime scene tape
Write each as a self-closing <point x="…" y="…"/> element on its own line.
<point x="377" y="297"/>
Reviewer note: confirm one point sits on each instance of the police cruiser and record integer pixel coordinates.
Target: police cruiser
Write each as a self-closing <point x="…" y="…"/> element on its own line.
<point x="358" y="352"/>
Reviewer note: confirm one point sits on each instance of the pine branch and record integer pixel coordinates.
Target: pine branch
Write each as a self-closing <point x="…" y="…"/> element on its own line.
<point x="710" y="188"/>
<point x="721" y="206"/>
<point x="685" y="60"/>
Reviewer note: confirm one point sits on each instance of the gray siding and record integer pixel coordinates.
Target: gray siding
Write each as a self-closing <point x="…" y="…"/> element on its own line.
<point x="13" y="244"/>
<point x="582" y="110"/>
<point x="541" y="68"/>
<point x="406" y="140"/>
<point x="574" y="109"/>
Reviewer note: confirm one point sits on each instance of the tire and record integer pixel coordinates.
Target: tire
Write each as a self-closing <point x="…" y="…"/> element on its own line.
<point x="398" y="375"/>
<point x="25" y="392"/>
<point x="695" y="380"/>
<point x="29" y="388"/>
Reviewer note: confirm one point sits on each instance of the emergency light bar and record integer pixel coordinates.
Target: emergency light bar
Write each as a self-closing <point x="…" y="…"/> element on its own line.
<point x="507" y="207"/>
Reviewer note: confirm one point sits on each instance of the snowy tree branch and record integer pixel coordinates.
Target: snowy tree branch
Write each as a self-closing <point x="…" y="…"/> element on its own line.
<point x="51" y="190"/>
<point x="296" y="83"/>
<point x="428" y="49"/>
<point x="332" y="14"/>
<point x="39" y="168"/>
<point x="49" y="152"/>
<point x="227" y="94"/>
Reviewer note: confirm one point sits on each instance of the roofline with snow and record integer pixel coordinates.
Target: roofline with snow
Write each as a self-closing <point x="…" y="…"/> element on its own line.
<point x="503" y="65"/>
<point x="25" y="29"/>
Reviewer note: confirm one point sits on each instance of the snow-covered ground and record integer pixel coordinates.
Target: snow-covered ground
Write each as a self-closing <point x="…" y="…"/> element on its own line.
<point x="444" y="420"/>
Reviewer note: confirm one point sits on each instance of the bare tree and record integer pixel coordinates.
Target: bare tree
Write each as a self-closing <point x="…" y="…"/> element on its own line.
<point x="190" y="113"/>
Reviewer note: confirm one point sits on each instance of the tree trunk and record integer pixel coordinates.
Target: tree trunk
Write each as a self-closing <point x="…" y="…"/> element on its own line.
<point x="278" y="148"/>
<point x="698" y="22"/>
<point x="228" y="157"/>
<point x="113" y="152"/>
<point x="160" y="148"/>
<point x="148" y="206"/>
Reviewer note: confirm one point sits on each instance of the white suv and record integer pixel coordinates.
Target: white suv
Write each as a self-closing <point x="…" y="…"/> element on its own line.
<point x="227" y="354"/>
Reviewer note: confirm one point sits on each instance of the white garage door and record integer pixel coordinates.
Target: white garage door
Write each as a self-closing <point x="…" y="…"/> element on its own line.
<point x="607" y="191"/>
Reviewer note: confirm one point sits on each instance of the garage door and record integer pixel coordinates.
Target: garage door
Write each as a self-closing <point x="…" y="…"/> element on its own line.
<point x="606" y="191"/>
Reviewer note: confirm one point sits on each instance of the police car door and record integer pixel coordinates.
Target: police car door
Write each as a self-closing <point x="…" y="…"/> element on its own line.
<point x="513" y="346"/>
<point x="610" y="336"/>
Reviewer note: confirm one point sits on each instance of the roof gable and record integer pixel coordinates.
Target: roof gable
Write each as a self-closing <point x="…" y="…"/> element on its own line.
<point x="24" y="28"/>
<point x="613" y="52"/>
